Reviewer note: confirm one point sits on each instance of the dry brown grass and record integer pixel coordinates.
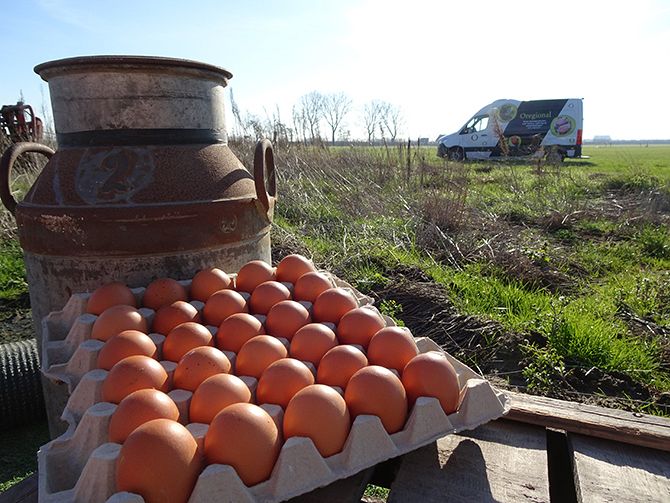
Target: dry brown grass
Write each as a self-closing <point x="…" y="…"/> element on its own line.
<point x="24" y="173"/>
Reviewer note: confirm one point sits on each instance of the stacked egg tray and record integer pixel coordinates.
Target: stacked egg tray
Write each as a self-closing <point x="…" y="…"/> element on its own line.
<point x="80" y="465"/>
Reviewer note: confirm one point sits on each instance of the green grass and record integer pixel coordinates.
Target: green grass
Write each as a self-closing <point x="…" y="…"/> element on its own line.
<point x="377" y="492"/>
<point x="12" y="271"/>
<point x="631" y="161"/>
<point x="18" y="457"/>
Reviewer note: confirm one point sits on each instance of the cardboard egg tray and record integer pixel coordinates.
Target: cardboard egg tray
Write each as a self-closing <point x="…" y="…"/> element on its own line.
<point x="80" y="464"/>
<point x="67" y="350"/>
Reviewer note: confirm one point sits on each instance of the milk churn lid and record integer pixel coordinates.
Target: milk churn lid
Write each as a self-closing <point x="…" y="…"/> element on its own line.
<point x="82" y="62"/>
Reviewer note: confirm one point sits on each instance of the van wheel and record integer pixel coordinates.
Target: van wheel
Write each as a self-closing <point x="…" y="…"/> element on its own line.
<point x="555" y="157"/>
<point x="456" y="154"/>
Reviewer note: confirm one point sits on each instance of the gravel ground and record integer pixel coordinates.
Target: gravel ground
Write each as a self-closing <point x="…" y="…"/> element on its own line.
<point x="15" y="324"/>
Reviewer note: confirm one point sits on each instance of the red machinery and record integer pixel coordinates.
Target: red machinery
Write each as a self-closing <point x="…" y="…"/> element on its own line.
<point x="19" y="123"/>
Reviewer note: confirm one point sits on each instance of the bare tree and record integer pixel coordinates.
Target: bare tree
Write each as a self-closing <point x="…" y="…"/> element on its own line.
<point x="253" y="123"/>
<point x="371" y="115"/>
<point x="281" y="132"/>
<point x="391" y="119"/>
<point x="299" y="123"/>
<point x="335" y="107"/>
<point x="310" y="108"/>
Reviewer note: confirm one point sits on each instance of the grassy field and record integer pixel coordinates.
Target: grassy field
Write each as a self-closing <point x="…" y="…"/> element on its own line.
<point x="551" y="280"/>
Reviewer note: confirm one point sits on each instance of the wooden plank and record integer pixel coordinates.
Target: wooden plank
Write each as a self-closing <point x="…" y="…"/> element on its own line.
<point x="500" y="461"/>
<point x="612" y="424"/>
<point x="607" y="471"/>
<point x="23" y="492"/>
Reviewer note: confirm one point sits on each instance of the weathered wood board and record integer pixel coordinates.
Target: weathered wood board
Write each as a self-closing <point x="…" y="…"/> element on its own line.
<point x="612" y="424"/>
<point x="501" y="461"/>
<point x="23" y="492"/>
<point x="608" y="471"/>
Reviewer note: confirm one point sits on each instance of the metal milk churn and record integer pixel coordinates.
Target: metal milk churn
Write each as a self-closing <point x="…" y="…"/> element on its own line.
<point x="143" y="184"/>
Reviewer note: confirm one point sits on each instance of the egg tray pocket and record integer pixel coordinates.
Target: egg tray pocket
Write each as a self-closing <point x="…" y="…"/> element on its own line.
<point x="80" y="465"/>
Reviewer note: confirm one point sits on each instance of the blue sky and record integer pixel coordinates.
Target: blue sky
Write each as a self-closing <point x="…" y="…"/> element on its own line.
<point x="439" y="61"/>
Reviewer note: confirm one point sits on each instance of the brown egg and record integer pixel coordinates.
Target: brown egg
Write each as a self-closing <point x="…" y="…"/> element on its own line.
<point x="208" y="281"/>
<point x="160" y="461"/>
<point x="377" y="391"/>
<point x="111" y="294"/>
<point x="309" y="286"/>
<point x="236" y="330"/>
<point x="199" y="364"/>
<point x="115" y="320"/>
<point x="257" y="354"/>
<point x="431" y="374"/>
<point x="267" y="295"/>
<point x="311" y="342"/>
<point x="163" y="292"/>
<point x="131" y="374"/>
<point x="320" y="413"/>
<point x="253" y="274"/>
<point x="358" y="326"/>
<point x="124" y="344"/>
<point x="168" y="317"/>
<point x="215" y="394"/>
<point x="339" y="364"/>
<point x="293" y="267"/>
<point x="281" y="380"/>
<point x="286" y="318"/>
<point x="332" y="304"/>
<point x="185" y="337"/>
<point x="140" y="407"/>
<point x="244" y="436"/>
<point x="392" y="347"/>
<point x="222" y="304"/>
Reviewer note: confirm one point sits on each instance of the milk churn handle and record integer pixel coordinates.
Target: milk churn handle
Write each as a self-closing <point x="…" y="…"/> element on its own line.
<point x="8" y="159"/>
<point x="264" y="162"/>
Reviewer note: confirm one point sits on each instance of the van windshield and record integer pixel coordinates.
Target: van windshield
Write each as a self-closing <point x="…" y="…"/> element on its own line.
<point x="476" y="124"/>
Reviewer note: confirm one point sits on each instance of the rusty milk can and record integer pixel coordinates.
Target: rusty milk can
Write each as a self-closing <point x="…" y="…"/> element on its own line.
<point x="143" y="184"/>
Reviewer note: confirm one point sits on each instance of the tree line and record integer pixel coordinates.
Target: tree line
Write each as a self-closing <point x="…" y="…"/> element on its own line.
<point x="318" y="117"/>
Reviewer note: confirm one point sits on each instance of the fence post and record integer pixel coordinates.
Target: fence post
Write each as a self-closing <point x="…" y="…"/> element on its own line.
<point x="409" y="159"/>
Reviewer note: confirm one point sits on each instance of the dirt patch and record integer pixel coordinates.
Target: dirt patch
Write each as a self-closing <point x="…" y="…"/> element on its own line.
<point x="16" y="319"/>
<point x="533" y="273"/>
<point x="634" y="207"/>
<point x="16" y="324"/>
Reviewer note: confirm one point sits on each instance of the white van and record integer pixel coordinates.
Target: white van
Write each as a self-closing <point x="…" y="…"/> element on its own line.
<point x="551" y="128"/>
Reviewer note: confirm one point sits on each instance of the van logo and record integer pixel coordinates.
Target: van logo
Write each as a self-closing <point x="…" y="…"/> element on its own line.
<point x="507" y="112"/>
<point x="562" y="125"/>
<point x="536" y="115"/>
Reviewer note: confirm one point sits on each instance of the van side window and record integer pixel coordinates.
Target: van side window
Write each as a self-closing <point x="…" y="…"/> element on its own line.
<point x="476" y="124"/>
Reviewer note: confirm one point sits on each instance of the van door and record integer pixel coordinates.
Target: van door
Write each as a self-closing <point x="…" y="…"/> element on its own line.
<point x="476" y="137"/>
